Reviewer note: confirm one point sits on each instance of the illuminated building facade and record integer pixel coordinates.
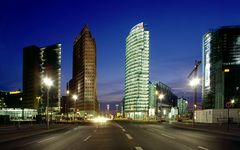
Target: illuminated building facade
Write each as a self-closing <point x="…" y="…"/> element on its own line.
<point x="136" y="99"/>
<point x="12" y="99"/>
<point x="221" y="65"/>
<point x="84" y="80"/>
<point x="39" y="62"/>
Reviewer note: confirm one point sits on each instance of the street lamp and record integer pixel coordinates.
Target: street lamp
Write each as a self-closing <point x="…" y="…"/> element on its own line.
<point x="194" y="83"/>
<point x="48" y="82"/>
<point x="228" y="105"/>
<point x="74" y="97"/>
<point x="160" y="97"/>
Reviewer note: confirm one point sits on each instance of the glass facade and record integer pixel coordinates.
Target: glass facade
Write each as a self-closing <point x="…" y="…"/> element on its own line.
<point x="221" y="65"/>
<point x="19" y="114"/>
<point x="182" y="105"/>
<point x="39" y="62"/>
<point x="137" y="73"/>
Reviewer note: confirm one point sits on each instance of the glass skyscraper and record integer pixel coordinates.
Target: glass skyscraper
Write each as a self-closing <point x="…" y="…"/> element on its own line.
<point x="39" y="62"/>
<point x="137" y="73"/>
<point x="221" y="67"/>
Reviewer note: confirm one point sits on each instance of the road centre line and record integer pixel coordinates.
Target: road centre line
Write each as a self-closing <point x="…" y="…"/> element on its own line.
<point x="138" y="148"/>
<point x="119" y="126"/>
<point x="171" y="137"/>
<point x="87" y="138"/>
<point x="46" y="139"/>
<point x="204" y="148"/>
<point x="129" y="136"/>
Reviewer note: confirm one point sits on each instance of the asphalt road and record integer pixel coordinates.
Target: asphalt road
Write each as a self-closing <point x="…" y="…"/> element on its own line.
<point x="125" y="136"/>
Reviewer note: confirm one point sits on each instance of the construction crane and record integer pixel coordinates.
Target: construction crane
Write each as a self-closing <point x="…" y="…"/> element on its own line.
<point x="195" y="69"/>
<point x="194" y="83"/>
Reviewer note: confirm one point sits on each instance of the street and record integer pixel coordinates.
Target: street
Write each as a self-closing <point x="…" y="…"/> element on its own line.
<point x="126" y="136"/>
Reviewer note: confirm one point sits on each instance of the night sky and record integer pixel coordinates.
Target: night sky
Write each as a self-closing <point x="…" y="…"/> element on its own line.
<point x="176" y="29"/>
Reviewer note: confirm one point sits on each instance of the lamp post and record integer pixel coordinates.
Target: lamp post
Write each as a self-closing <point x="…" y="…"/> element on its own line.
<point x="48" y="83"/>
<point x="160" y="96"/>
<point x="228" y="105"/>
<point x="74" y="97"/>
<point x="194" y="83"/>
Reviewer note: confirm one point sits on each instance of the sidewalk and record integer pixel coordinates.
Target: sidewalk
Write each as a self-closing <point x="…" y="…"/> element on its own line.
<point x="234" y="129"/>
<point x="13" y="133"/>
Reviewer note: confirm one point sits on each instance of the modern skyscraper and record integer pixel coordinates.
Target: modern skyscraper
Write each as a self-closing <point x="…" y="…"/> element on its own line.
<point x="137" y="73"/>
<point x="221" y="67"/>
<point x="39" y="62"/>
<point x="84" y="79"/>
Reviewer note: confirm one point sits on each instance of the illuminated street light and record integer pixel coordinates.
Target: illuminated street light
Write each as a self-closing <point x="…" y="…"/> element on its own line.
<point x="194" y="82"/>
<point x="161" y="96"/>
<point x="68" y="92"/>
<point x="48" y="82"/>
<point x="232" y="101"/>
<point x="74" y="97"/>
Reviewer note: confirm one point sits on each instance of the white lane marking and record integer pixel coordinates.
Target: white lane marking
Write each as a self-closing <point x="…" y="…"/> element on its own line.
<point x="138" y="148"/>
<point x="171" y="137"/>
<point x="204" y="148"/>
<point x="67" y="132"/>
<point x="29" y="143"/>
<point x="46" y="139"/>
<point x="129" y="136"/>
<point x="123" y="130"/>
<point x="87" y="138"/>
<point x="119" y="126"/>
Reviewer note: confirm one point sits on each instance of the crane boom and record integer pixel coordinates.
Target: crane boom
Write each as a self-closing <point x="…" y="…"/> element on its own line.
<point x="197" y="63"/>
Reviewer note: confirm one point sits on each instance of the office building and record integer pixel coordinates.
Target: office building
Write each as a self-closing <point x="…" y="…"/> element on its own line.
<point x="84" y="79"/>
<point x="182" y="105"/>
<point x="221" y="65"/>
<point x="11" y="99"/>
<point x="137" y="73"/>
<point x="40" y="62"/>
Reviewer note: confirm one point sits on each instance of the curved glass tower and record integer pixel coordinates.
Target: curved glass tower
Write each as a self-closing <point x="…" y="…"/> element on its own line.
<point x="137" y="73"/>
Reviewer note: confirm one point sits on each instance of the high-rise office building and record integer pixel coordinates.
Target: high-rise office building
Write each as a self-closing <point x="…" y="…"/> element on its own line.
<point x="84" y="79"/>
<point x="137" y="73"/>
<point x="221" y="67"/>
<point x="40" y="62"/>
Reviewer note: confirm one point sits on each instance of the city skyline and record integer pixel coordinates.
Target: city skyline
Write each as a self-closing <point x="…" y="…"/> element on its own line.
<point x="171" y="53"/>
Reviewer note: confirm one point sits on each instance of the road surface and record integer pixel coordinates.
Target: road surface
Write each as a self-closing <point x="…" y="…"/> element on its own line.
<point x="125" y="136"/>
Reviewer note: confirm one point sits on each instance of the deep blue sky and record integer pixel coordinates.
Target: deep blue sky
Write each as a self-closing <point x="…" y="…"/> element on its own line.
<point x="176" y="30"/>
